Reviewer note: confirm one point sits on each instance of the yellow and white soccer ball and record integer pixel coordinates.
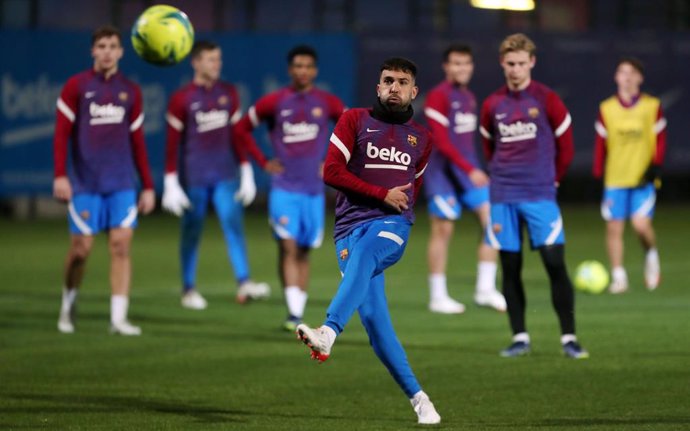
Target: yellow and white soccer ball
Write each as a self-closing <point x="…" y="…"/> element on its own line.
<point x="162" y="35"/>
<point x="591" y="276"/>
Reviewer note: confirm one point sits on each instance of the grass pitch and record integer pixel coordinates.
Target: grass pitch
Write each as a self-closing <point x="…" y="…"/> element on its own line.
<point x="231" y="367"/>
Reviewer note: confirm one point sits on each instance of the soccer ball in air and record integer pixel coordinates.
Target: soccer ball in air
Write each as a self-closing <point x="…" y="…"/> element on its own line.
<point x="162" y="35"/>
<point x="591" y="277"/>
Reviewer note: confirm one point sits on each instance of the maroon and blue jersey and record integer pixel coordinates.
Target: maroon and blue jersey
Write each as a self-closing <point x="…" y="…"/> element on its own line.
<point x="528" y="143"/>
<point x="103" y="118"/>
<point x="298" y="123"/>
<point x="201" y="134"/>
<point x="366" y="158"/>
<point x="451" y="111"/>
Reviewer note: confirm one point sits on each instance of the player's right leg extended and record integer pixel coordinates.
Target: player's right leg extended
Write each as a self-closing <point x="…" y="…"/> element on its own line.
<point x="364" y="253"/>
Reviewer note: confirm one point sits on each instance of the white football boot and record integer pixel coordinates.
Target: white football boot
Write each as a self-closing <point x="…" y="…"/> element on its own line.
<point x="193" y="300"/>
<point x="252" y="290"/>
<point x="319" y="340"/>
<point x="446" y="305"/>
<point x="492" y="299"/>
<point x="124" y="328"/>
<point x="426" y="412"/>
<point x="652" y="270"/>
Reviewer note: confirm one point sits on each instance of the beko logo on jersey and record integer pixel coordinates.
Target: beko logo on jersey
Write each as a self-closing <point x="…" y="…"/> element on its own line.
<point x="299" y="132"/>
<point x="391" y="154"/>
<point x="517" y="131"/>
<point x="106" y="114"/>
<point x="465" y="122"/>
<point x="211" y="120"/>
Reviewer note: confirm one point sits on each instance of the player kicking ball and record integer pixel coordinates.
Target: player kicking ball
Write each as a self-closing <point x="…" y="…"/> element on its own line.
<point x="376" y="160"/>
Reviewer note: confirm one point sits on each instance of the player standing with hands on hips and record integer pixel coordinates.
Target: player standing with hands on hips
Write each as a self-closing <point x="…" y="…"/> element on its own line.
<point x="101" y="111"/>
<point x="202" y="134"/>
<point x="376" y="160"/>
<point x="528" y="142"/>
<point x="628" y="152"/>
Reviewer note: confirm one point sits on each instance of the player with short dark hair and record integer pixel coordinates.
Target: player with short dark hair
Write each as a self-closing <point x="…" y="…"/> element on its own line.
<point x="376" y="160"/>
<point x="629" y="149"/>
<point x="101" y="113"/>
<point x="298" y="118"/>
<point x="455" y="181"/>
<point x="529" y="145"/>
<point x="202" y="136"/>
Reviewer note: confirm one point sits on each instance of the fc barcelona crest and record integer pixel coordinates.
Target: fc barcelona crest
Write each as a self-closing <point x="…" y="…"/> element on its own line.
<point x="123" y="96"/>
<point x="412" y="140"/>
<point x="85" y="215"/>
<point x="533" y="112"/>
<point x="223" y="100"/>
<point x="343" y="254"/>
<point x="317" y="112"/>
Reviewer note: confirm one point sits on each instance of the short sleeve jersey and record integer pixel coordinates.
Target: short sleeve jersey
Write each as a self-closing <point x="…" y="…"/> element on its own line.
<point x="298" y="124"/>
<point x="205" y="116"/>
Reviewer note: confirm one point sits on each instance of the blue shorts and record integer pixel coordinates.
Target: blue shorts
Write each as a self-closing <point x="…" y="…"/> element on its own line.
<point x="621" y="204"/>
<point x="89" y="213"/>
<point x="543" y="220"/>
<point x="298" y="216"/>
<point x="449" y="206"/>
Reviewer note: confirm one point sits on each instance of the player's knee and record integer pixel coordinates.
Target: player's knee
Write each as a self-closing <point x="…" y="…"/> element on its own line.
<point x="640" y="224"/>
<point x="81" y="248"/>
<point x="553" y="256"/>
<point x="119" y="244"/>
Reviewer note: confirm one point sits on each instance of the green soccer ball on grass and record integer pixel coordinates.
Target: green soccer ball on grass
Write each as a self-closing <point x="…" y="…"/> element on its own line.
<point x="591" y="277"/>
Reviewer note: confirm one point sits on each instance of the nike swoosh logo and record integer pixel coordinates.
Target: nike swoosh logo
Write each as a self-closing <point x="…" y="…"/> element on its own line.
<point x="285" y="112"/>
<point x="388" y="222"/>
<point x="372" y="130"/>
<point x="89" y="94"/>
<point x="501" y="116"/>
<point x="195" y="105"/>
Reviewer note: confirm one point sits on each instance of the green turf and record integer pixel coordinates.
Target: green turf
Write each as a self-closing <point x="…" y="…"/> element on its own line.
<point x="230" y="367"/>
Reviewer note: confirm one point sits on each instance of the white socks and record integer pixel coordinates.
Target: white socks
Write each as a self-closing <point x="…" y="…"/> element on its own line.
<point x="296" y="300"/>
<point x="567" y="338"/>
<point x="486" y="276"/>
<point x="437" y="286"/>
<point x="521" y="337"/>
<point x="69" y="296"/>
<point x="118" y="308"/>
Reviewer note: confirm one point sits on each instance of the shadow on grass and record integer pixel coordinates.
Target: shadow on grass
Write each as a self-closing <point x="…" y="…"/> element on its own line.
<point x="622" y="422"/>
<point x="108" y="405"/>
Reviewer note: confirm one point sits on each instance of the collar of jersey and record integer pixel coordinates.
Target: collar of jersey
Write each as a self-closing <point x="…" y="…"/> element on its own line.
<point x="382" y="113"/>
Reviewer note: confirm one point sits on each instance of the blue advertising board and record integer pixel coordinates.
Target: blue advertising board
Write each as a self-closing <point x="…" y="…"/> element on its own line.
<point x="37" y="64"/>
